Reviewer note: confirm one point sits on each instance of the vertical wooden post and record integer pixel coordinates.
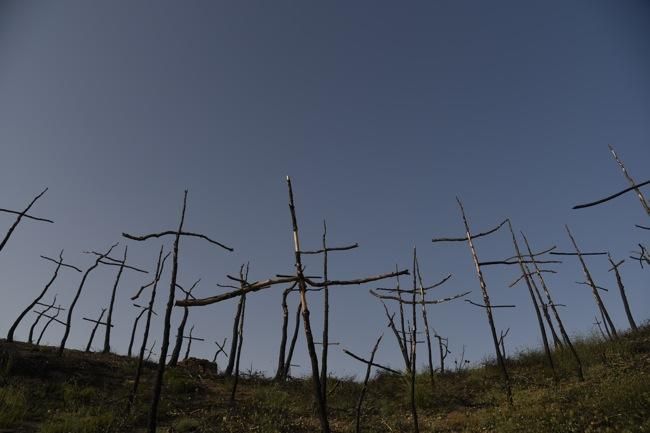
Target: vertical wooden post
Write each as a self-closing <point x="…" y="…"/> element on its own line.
<point x="302" y="285"/>
<point x="109" y="318"/>
<point x="594" y="289"/>
<point x="621" y="290"/>
<point x="488" y="308"/>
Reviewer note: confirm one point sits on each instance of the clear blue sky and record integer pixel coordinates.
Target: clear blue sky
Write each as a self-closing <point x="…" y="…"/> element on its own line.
<point x="381" y="114"/>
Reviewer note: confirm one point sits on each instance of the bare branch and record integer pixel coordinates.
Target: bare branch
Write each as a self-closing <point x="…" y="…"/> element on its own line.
<point x="613" y="196"/>
<point x="328" y="249"/>
<point x="432" y="302"/>
<point x="491" y="306"/>
<point x="464" y="238"/>
<point x="374" y="364"/>
<point x="173" y="233"/>
<point x="61" y="263"/>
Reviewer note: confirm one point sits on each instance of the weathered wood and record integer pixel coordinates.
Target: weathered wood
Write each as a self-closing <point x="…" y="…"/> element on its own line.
<point x="38" y="318"/>
<point x="279" y="373"/>
<point x="476" y="236"/>
<point x="135" y="327"/>
<point x="233" y="341"/>
<point x="189" y="339"/>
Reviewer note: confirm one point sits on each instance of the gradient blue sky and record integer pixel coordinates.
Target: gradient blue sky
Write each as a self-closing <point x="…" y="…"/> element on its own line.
<point x="382" y="114"/>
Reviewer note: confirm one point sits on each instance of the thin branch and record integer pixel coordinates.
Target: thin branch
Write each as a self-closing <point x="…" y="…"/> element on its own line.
<point x="62" y="264"/>
<point x="328" y="249"/>
<point x="374" y="364"/>
<point x="432" y="302"/>
<point x="613" y="196"/>
<point x="491" y="306"/>
<point x="173" y="233"/>
<point x="464" y="238"/>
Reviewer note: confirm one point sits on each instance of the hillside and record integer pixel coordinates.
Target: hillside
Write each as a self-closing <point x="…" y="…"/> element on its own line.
<point x="83" y="392"/>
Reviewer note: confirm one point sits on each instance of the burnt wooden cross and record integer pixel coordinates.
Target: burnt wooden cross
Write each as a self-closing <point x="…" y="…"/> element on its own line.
<point x="97" y="323"/>
<point x="303" y="283"/>
<point x="36" y="301"/>
<point x="470" y="238"/>
<point x="22" y="214"/>
<point x="189" y="339"/>
<point x="177" y="234"/>
<point x="121" y="264"/>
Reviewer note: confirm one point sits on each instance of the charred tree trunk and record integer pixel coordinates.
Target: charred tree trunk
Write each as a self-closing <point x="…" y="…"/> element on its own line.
<point x="12" y="330"/>
<point x="318" y="394"/>
<point x="92" y="334"/>
<point x="239" y="346"/>
<point x="538" y="314"/>
<point x="426" y="326"/>
<point x="143" y="347"/>
<point x="621" y="289"/>
<point x="488" y="309"/>
<point x="279" y="374"/>
<point x="179" y="338"/>
<point x="19" y="218"/>
<point x="232" y="357"/>
<point x="109" y="318"/>
<point x="135" y="327"/>
<point x="292" y="345"/>
<point x="414" y="409"/>
<point x="158" y="381"/>
<point x="66" y="333"/>
<point x="38" y="319"/>
<point x="594" y="289"/>
<point x="551" y="304"/>
<point x="365" y="385"/>
<point x="47" y="324"/>
<point x="326" y="312"/>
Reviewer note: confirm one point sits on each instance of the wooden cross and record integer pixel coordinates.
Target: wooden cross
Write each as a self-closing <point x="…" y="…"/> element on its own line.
<point x="97" y="323"/>
<point x="189" y="339"/>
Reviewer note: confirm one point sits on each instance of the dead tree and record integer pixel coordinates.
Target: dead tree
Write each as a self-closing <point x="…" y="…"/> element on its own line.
<point x="233" y="342"/>
<point x="303" y="282"/>
<point x="326" y="306"/>
<point x="613" y="196"/>
<point x="621" y="289"/>
<point x="365" y="384"/>
<point x="135" y="327"/>
<point x="48" y="307"/>
<point x="590" y="280"/>
<point x="292" y="345"/>
<point x="219" y="351"/>
<point x="189" y="339"/>
<point x="47" y="324"/>
<point x="597" y="323"/>
<point x="59" y="264"/>
<point x="553" y="306"/>
<point x="486" y="298"/>
<point x="160" y="265"/>
<point x="97" y="323"/>
<point x="279" y="373"/>
<point x="502" y="338"/>
<point x="157" y="388"/>
<point x="21" y="215"/>
<point x="540" y="322"/>
<point x="642" y="199"/>
<point x="66" y="333"/>
<point x="240" y="341"/>
<point x="443" y="346"/>
<point x="176" y="352"/>
<point x="150" y="352"/>
<point x="121" y="263"/>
